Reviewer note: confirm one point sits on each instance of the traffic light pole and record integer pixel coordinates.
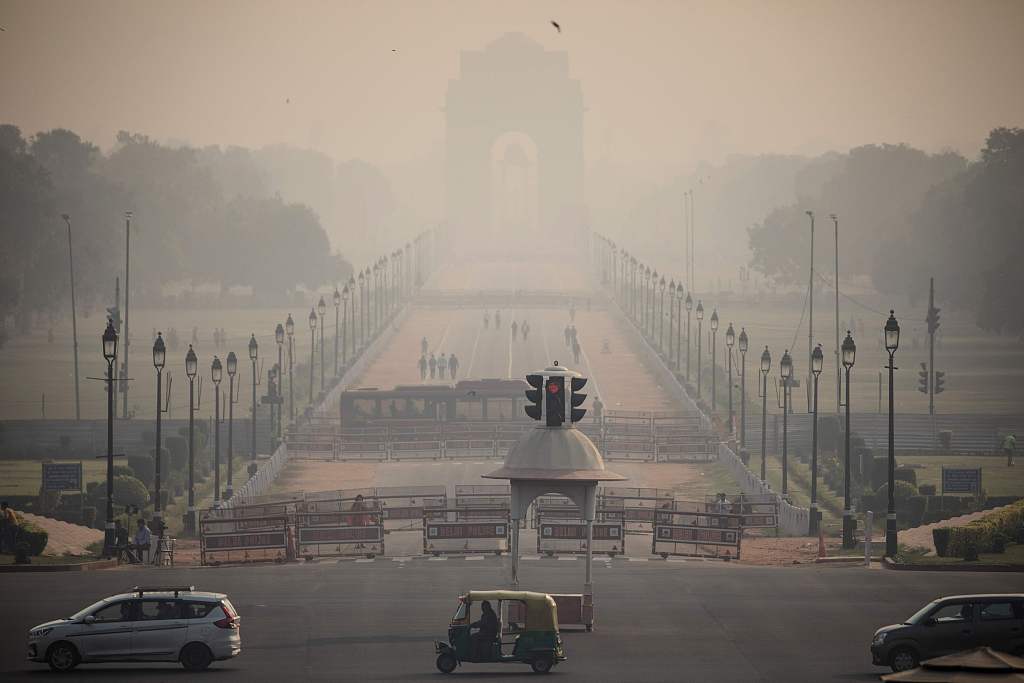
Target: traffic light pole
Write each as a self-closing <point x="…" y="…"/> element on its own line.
<point x="933" y="324"/>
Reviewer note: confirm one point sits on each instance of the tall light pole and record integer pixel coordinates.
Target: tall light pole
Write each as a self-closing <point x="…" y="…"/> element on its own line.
<point x="109" y="354"/>
<point x="679" y="325"/>
<point x="337" y="326"/>
<point x="127" y="294"/>
<point x="191" y="367"/>
<point x="321" y="307"/>
<point x="892" y="342"/>
<point x="279" y="338"/>
<point x="743" y="345"/>
<point x="766" y="365"/>
<point x="689" y="346"/>
<point x="362" y="310"/>
<point x="786" y="370"/>
<point x="839" y="402"/>
<point x="216" y="374"/>
<point x="232" y="371"/>
<point x="817" y="360"/>
<point x="253" y="355"/>
<point x="810" y="311"/>
<point x="345" y="328"/>
<point x="312" y="350"/>
<point x="700" y="335"/>
<point x="714" y="360"/>
<point x="730" y="339"/>
<point x="289" y="329"/>
<point x="74" y="317"/>
<point x="671" y="357"/>
<point x="159" y="361"/>
<point x="661" y="317"/>
<point x="849" y="357"/>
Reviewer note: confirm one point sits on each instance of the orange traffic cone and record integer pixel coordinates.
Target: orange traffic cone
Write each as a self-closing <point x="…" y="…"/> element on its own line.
<point x="821" y="542"/>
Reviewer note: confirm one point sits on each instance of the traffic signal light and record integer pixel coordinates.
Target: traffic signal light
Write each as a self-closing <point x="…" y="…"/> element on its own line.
<point x="933" y="319"/>
<point x="922" y="379"/>
<point x="554" y="401"/>
<point x="940" y="381"/>
<point x="576" y="399"/>
<point x="534" y="396"/>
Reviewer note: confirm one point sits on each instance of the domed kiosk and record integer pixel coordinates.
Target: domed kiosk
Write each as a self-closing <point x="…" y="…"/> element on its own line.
<point x="555" y="459"/>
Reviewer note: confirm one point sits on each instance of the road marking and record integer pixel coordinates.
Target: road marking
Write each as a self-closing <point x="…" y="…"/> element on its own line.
<point x="529" y="558"/>
<point x="400" y="559"/>
<point x="436" y="559"/>
<point x="563" y="558"/>
<point x="472" y="356"/>
<point x="366" y="559"/>
<point x="638" y="559"/>
<point x="677" y="560"/>
<point x="472" y="558"/>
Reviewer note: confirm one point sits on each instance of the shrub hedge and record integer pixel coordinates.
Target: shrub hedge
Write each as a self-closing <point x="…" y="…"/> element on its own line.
<point x="35" y="537"/>
<point x="981" y="534"/>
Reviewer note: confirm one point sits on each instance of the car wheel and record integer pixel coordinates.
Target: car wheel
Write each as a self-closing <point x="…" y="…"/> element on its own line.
<point x="541" y="665"/>
<point x="446" y="662"/>
<point x="196" y="657"/>
<point x="903" y="659"/>
<point x="62" y="657"/>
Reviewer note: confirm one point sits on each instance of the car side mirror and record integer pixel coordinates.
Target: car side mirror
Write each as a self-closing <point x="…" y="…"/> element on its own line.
<point x="89" y="620"/>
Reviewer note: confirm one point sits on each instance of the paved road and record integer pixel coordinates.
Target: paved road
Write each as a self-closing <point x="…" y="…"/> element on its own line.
<point x="656" y="621"/>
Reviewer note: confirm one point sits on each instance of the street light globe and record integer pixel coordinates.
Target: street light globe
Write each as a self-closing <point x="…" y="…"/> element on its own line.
<point x="216" y="370"/>
<point x="700" y="310"/>
<point x="232" y="363"/>
<point x="849" y="351"/>
<point x="312" y="319"/>
<point x="744" y="342"/>
<point x="337" y="296"/>
<point x="110" y="341"/>
<point x="786" y="365"/>
<point x="191" y="363"/>
<point x="892" y="333"/>
<point x="321" y="306"/>
<point x="279" y="334"/>
<point x="730" y="336"/>
<point x="289" y="326"/>
<point x="689" y="304"/>
<point x="662" y="284"/>
<point x="344" y="292"/>
<point x="253" y="347"/>
<point x="817" y="360"/>
<point x="361" y="279"/>
<point x="672" y="288"/>
<point x="714" y="320"/>
<point x="766" y="361"/>
<point x="159" y="352"/>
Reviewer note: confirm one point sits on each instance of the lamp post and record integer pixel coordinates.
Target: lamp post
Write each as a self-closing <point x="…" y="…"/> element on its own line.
<point x="700" y="335"/>
<point x="312" y="350"/>
<point x="279" y="338"/>
<point x="352" y="318"/>
<point x="817" y="359"/>
<point x="191" y="367"/>
<point x="835" y="223"/>
<point x="289" y="329"/>
<point x="159" y="361"/>
<point x="671" y="322"/>
<point x="321" y="308"/>
<point x="714" y="360"/>
<point x="337" y="326"/>
<point x="232" y="364"/>
<point x="345" y="329"/>
<point x="679" y="325"/>
<point x="730" y="339"/>
<point x="743" y="345"/>
<point x="253" y="355"/>
<point x="127" y="296"/>
<point x="766" y="365"/>
<point x="849" y="357"/>
<point x="786" y="370"/>
<point x="362" y="310"/>
<point x="689" y="309"/>
<point x="374" y="279"/>
<point x="661" y="317"/>
<point x="74" y="318"/>
<point x="810" y="307"/>
<point x="109" y="354"/>
<point x="892" y="342"/>
<point x="216" y="374"/>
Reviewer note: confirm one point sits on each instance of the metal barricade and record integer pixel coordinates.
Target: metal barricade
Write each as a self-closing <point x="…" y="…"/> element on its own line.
<point x="758" y="510"/>
<point x="487" y="534"/>
<point x="697" y="534"/>
<point x="341" y="527"/>
<point x="562" y="535"/>
<point x="224" y="539"/>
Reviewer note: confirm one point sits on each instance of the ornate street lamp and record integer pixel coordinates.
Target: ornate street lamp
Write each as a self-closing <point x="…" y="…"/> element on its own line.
<point x="362" y="310"/>
<point x="817" y="360"/>
<point x="671" y="324"/>
<point x="700" y="335"/>
<point x="191" y="368"/>
<point x="849" y="352"/>
<point x="730" y="339"/>
<point x="345" y="329"/>
<point x="892" y="342"/>
<point x="766" y="365"/>
<point x="661" y="317"/>
<point x="714" y="360"/>
<point x="337" y="326"/>
<point x="232" y="363"/>
<point x="689" y="309"/>
<point x="254" y="353"/>
<point x="279" y="335"/>
<point x="289" y="330"/>
<point x="321" y="308"/>
<point x="159" y="361"/>
<point x="743" y="345"/>
<point x="216" y="374"/>
<point x="786" y="371"/>
<point x="312" y="350"/>
<point x="109" y="355"/>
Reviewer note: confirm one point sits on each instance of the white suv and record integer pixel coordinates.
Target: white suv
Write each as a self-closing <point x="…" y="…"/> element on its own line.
<point x="157" y="624"/>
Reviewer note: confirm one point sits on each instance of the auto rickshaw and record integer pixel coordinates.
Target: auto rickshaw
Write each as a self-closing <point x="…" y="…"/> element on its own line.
<point x="527" y="625"/>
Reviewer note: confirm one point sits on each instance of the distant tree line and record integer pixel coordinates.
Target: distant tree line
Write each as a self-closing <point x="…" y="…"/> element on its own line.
<point x="200" y="215"/>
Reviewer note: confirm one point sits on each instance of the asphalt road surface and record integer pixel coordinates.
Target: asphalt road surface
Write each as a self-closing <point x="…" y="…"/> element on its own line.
<point x="655" y="621"/>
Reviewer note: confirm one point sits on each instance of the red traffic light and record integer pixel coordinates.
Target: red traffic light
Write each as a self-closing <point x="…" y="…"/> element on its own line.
<point x="553" y="388"/>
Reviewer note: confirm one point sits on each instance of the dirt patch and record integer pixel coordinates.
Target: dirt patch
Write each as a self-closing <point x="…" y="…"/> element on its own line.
<point x="65" y="538"/>
<point x="327" y="476"/>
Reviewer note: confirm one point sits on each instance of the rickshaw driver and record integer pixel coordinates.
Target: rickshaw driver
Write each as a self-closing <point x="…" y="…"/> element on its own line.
<point x="487" y="631"/>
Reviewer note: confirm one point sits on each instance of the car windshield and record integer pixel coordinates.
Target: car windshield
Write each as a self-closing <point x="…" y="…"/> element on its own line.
<point x="919" y="615"/>
<point x="88" y="610"/>
<point x="460" y="613"/>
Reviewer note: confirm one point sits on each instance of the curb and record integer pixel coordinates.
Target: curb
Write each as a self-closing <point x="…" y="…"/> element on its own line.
<point x="841" y="559"/>
<point x="889" y="564"/>
<point x="79" y="567"/>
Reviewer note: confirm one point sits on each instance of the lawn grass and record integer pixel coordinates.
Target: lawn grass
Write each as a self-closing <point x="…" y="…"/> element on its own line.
<point x="24" y="476"/>
<point x="996" y="478"/>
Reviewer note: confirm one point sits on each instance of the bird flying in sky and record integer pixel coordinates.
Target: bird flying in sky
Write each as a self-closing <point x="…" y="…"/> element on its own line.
<point x="555" y="24"/>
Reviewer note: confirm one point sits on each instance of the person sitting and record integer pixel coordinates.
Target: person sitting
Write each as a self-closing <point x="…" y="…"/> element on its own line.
<point x="143" y="541"/>
<point x="121" y="544"/>
<point x="487" y="631"/>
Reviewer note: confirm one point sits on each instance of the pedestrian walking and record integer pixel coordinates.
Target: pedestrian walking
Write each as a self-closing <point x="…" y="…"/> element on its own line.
<point x="576" y="351"/>
<point x="453" y="365"/>
<point x="572" y="333"/>
<point x="442" y="366"/>
<point x="423" y="367"/>
<point x="568" y="336"/>
<point x="424" y="346"/>
<point x="1009" y="444"/>
<point x="515" y="329"/>
<point x="433" y="366"/>
<point x="597" y="409"/>
<point x="526" y="330"/>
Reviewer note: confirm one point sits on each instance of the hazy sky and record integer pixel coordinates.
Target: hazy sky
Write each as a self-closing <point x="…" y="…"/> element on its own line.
<point x="665" y="83"/>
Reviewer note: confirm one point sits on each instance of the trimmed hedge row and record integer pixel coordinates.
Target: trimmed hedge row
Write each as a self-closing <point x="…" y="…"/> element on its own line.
<point x="34" y="536"/>
<point x="984" y="535"/>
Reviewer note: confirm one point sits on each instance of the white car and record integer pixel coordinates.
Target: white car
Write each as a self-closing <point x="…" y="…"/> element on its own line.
<point x="158" y="624"/>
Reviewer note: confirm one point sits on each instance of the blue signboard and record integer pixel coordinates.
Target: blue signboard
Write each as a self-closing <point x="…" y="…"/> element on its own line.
<point x="62" y="476"/>
<point x="961" y="480"/>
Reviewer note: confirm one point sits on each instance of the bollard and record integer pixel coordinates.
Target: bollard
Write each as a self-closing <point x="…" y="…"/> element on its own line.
<point x="869" y="521"/>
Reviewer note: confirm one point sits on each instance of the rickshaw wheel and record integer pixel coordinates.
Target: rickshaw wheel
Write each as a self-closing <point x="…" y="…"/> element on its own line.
<point x="446" y="662"/>
<point x="541" y="665"/>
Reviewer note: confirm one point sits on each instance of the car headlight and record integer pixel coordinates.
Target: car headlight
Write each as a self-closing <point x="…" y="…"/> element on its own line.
<point x="40" y="632"/>
<point x="879" y="638"/>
